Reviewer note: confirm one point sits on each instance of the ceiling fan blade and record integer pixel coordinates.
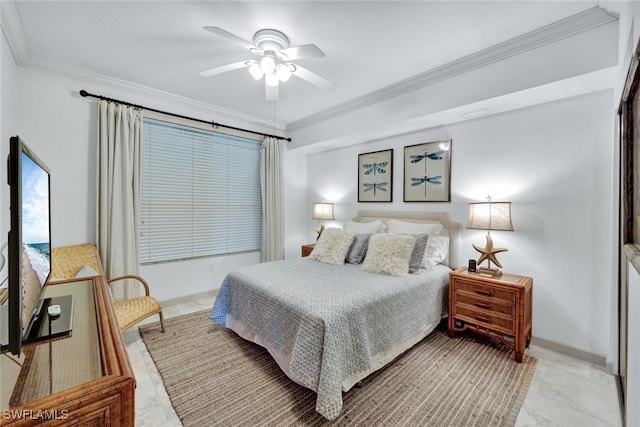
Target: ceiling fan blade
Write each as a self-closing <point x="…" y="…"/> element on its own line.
<point x="298" y="52"/>
<point x="239" y="40"/>
<point x="270" y="92"/>
<point x="313" y="78"/>
<point x="224" y="68"/>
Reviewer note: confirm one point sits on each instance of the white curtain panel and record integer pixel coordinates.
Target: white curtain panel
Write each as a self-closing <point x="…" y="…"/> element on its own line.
<point x="119" y="157"/>
<point x="271" y="184"/>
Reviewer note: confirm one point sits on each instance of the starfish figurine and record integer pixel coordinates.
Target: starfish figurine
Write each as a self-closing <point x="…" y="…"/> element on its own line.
<point x="489" y="252"/>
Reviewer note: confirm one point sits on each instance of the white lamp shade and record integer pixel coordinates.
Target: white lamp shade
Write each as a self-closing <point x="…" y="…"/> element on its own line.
<point x="271" y="79"/>
<point x="267" y="65"/>
<point x="323" y="211"/>
<point x="490" y="216"/>
<point x="284" y="73"/>
<point x="255" y="71"/>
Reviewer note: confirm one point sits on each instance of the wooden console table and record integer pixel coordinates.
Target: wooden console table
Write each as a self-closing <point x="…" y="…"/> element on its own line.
<point x="82" y="379"/>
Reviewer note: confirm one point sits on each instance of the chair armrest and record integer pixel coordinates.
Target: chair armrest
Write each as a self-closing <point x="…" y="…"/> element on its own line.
<point x="133" y="276"/>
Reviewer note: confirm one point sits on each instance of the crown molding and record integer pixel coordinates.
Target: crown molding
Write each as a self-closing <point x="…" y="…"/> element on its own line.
<point x="581" y="22"/>
<point x="570" y="26"/>
<point x="14" y="34"/>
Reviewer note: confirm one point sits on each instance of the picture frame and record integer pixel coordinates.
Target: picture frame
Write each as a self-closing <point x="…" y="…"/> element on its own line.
<point x="427" y="172"/>
<point x="375" y="176"/>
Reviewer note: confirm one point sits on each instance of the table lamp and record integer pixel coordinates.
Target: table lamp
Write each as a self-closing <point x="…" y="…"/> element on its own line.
<point x="322" y="211"/>
<point x="490" y="216"/>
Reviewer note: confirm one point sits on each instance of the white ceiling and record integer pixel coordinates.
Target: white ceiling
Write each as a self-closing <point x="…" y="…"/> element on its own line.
<point x="161" y="45"/>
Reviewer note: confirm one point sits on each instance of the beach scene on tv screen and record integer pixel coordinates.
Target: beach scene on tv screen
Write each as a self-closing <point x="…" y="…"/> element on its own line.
<point x="35" y="231"/>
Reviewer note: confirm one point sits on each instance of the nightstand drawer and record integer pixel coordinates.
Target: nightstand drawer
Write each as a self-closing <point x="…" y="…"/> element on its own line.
<point x="469" y="299"/>
<point x="487" y="291"/>
<point x="490" y="320"/>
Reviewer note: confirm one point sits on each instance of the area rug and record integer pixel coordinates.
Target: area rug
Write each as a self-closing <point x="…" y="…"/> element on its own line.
<point x="213" y="377"/>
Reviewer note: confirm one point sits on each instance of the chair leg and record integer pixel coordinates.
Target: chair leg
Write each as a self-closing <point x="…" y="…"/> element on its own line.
<point x="161" y="322"/>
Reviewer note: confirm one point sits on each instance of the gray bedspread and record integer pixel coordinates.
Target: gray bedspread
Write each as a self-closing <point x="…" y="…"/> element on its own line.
<point x="330" y="320"/>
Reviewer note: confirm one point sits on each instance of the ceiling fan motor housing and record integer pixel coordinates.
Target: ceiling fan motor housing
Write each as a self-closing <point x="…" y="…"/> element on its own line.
<point x="269" y="39"/>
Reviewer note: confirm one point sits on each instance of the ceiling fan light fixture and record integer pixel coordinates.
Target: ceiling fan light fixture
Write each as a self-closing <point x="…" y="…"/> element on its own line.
<point x="255" y="71"/>
<point x="267" y="64"/>
<point x="272" y="46"/>
<point x="271" y="79"/>
<point x="284" y="72"/>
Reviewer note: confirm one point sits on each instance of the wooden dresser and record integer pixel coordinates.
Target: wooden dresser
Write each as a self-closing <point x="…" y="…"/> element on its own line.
<point x="500" y="307"/>
<point x="82" y="379"/>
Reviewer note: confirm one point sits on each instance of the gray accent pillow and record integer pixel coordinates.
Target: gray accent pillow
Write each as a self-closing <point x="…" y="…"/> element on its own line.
<point x="358" y="248"/>
<point x="417" y="256"/>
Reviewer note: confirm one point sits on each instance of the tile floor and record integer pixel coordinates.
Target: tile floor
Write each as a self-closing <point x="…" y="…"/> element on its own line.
<point x="564" y="392"/>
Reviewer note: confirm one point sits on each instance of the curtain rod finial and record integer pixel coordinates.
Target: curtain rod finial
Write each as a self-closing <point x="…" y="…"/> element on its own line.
<point x="84" y="93"/>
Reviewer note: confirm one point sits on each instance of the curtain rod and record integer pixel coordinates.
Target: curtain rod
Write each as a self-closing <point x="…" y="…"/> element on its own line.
<point x="84" y="93"/>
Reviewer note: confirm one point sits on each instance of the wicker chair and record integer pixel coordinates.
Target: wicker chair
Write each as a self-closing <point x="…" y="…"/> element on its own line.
<point x="67" y="263"/>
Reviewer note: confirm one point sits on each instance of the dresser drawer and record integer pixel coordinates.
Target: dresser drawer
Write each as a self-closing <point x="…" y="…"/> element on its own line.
<point x="488" y="291"/>
<point x="469" y="299"/>
<point x="487" y="319"/>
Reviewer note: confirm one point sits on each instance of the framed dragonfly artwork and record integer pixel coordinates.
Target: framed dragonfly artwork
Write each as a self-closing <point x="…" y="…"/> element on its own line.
<point x="427" y="172"/>
<point x="375" y="176"/>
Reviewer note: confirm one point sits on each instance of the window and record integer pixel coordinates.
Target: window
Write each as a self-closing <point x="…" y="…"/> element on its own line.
<point x="200" y="193"/>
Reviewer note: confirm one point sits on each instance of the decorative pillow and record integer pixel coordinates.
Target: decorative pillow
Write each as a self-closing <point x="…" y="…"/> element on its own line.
<point x="398" y="227"/>
<point x="332" y="246"/>
<point x="358" y="248"/>
<point x="86" y="271"/>
<point x="389" y="254"/>
<point x="364" y="227"/>
<point x="436" y="251"/>
<point x="417" y="256"/>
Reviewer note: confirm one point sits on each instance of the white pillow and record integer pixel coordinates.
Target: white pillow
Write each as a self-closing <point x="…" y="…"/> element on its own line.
<point x="332" y="246"/>
<point x="86" y="271"/>
<point x="397" y="227"/>
<point x="364" y="227"/>
<point x="436" y="251"/>
<point x="389" y="254"/>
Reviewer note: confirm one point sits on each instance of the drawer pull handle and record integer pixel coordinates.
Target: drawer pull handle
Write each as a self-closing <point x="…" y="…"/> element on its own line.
<point x="482" y="305"/>
<point x="484" y="292"/>
<point x="483" y="319"/>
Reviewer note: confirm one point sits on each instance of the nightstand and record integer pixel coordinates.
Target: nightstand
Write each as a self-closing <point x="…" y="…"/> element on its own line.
<point x="307" y="249"/>
<point x="496" y="306"/>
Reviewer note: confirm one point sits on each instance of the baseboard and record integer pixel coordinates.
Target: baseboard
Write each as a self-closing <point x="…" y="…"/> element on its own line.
<point x="189" y="298"/>
<point x="596" y="359"/>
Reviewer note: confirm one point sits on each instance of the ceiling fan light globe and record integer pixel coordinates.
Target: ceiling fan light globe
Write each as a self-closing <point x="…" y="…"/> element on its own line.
<point x="271" y="79"/>
<point x="267" y="65"/>
<point x="255" y="71"/>
<point x="284" y="73"/>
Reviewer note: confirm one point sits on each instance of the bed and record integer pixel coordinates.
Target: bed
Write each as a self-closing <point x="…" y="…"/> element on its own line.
<point x="328" y="325"/>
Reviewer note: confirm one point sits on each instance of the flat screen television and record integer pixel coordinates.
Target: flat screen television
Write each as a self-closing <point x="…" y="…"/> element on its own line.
<point x="29" y="241"/>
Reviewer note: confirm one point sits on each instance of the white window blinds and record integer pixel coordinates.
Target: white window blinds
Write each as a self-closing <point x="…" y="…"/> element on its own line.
<point x="200" y="193"/>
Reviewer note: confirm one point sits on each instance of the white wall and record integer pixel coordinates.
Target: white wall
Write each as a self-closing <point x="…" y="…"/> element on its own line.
<point x="554" y="162"/>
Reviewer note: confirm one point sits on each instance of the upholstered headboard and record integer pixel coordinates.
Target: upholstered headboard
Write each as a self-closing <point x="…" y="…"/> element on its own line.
<point x="453" y="229"/>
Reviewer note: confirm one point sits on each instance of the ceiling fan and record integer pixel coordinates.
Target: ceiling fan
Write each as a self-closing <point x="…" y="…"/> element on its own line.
<point x="272" y="48"/>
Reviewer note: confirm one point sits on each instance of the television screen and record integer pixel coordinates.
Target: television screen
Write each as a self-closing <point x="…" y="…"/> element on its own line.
<point x="36" y="258"/>
<point x="29" y="244"/>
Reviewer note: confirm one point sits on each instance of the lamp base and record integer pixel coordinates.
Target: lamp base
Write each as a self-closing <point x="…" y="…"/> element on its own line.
<point x="488" y="272"/>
